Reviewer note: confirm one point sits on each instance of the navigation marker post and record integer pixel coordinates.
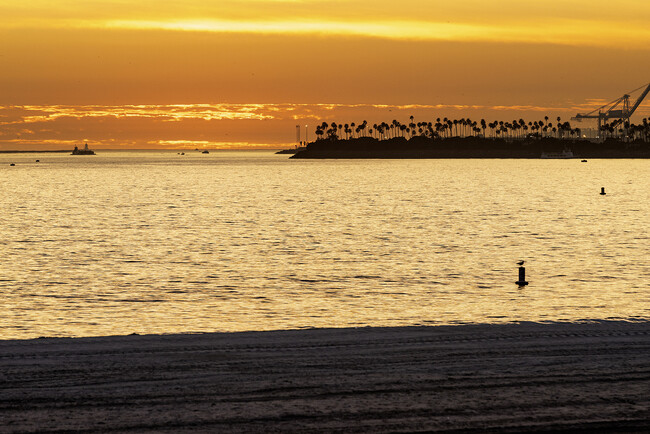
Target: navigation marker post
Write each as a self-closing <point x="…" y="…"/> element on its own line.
<point x="522" y="275"/>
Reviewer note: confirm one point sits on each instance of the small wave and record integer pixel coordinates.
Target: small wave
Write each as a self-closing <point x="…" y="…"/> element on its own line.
<point x="138" y="300"/>
<point x="295" y="279"/>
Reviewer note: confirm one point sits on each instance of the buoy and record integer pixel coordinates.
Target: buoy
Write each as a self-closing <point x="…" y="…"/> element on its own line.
<point x="38" y="161"/>
<point x="522" y="277"/>
<point x="602" y="190"/>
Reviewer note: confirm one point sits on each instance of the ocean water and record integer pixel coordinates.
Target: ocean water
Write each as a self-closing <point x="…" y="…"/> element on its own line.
<point x="154" y="242"/>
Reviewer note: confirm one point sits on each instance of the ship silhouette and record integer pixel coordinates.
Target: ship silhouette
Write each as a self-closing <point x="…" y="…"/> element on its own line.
<point x="84" y="151"/>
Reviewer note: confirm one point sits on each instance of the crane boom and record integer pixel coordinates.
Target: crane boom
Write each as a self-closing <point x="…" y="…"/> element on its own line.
<point x="619" y="110"/>
<point x="640" y="99"/>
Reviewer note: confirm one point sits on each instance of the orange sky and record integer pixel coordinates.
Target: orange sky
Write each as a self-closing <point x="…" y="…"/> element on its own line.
<point x="239" y="73"/>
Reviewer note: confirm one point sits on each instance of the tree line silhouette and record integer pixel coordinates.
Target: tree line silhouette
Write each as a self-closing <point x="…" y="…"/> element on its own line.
<point x="447" y="128"/>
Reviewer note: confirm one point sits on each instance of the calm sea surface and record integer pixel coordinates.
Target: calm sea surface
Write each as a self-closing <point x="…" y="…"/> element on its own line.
<point x="155" y="242"/>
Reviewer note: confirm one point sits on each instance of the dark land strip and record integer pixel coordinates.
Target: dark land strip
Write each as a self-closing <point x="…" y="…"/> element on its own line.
<point x="472" y="147"/>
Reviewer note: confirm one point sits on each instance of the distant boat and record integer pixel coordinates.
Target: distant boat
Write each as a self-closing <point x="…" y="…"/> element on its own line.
<point x="566" y="153"/>
<point x="84" y="151"/>
<point x="205" y="152"/>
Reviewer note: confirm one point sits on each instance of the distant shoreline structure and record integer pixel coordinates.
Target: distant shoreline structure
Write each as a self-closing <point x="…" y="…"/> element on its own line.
<point x="84" y="151"/>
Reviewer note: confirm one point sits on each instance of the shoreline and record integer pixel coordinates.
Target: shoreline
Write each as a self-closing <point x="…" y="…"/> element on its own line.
<point x="528" y="377"/>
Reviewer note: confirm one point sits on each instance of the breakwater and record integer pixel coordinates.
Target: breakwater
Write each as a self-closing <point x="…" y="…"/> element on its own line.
<point x="471" y="147"/>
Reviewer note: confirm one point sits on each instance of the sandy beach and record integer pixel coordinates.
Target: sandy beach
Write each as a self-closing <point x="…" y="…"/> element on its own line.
<point x="591" y="377"/>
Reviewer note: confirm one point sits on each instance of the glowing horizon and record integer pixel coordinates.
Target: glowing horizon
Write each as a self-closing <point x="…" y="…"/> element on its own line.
<point x="229" y="126"/>
<point x="261" y="111"/>
<point x="242" y="71"/>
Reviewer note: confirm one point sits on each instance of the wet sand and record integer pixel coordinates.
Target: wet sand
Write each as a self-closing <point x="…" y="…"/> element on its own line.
<point x="499" y="378"/>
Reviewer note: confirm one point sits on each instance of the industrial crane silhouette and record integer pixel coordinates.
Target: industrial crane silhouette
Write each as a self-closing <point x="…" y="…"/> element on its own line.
<point x="619" y="110"/>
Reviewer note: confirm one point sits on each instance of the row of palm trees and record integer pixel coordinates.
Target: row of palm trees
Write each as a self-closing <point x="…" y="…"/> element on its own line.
<point x="627" y="130"/>
<point x="465" y="127"/>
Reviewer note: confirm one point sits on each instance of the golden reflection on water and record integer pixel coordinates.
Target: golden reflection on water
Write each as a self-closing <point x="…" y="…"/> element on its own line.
<point x="152" y="242"/>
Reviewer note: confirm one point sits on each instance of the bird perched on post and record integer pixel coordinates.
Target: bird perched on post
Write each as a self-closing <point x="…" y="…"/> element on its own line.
<point x="520" y="263"/>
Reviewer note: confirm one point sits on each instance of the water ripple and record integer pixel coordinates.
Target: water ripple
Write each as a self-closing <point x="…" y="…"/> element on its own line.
<point x="135" y="242"/>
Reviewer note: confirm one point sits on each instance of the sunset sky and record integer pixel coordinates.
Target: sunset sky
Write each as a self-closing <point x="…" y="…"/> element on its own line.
<point x="243" y="73"/>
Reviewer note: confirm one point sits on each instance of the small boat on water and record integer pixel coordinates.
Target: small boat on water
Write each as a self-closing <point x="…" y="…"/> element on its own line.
<point x="205" y="152"/>
<point x="566" y="153"/>
<point x="84" y="151"/>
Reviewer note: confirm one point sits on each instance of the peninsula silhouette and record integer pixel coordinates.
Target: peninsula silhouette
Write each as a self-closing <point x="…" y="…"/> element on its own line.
<point x="465" y="138"/>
